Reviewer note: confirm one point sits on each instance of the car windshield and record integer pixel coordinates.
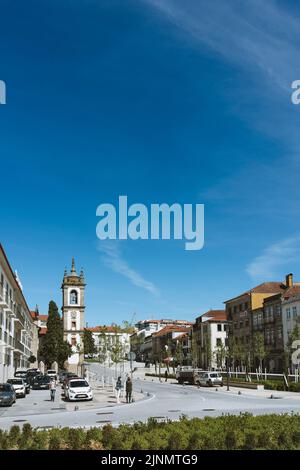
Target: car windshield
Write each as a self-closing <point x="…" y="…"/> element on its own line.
<point x="215" y="376"/>
<point x="5" y="388"/>
<point x="50" y="371"/>
<point x="43" y="378"/>
<point x="15" y="381"/>
<point x="78" y="383"/>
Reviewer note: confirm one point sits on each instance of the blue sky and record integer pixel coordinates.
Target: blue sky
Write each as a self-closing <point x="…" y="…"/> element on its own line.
<point x="164" y="101"/>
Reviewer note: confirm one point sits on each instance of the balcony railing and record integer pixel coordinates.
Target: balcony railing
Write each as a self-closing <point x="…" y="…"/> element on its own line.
<point x="19" y="346"/>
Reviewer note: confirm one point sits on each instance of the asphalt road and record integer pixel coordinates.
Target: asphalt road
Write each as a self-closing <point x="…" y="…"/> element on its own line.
<point x="162" y="401"/>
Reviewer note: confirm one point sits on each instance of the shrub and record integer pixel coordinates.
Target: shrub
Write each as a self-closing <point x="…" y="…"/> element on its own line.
<point x="54" y="442"/>
<point x="14" y="435"/>
<point x="231" y="440"/>
<point x="250" y="440"/>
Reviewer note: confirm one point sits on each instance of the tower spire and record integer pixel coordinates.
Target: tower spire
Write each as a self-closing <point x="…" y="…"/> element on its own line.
<point x="73" y="269"/>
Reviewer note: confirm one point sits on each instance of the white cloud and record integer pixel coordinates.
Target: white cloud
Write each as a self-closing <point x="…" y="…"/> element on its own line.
<point x="112" y="258"/>
<point x="270" y="263"/>
<point x="256" y="34"/>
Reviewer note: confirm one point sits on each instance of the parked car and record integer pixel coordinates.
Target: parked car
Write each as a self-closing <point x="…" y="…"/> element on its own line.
<point x="210" y="379"/>
<point x="69" y="376"/>
<point x="20" y="374"/>
<point x="7" y="395"/>
<point x="78" y="389"/>
<point x="61" y="376"/>
<point x="19" y="386"/>
<point x="31" y="375"/>
<point x="41" y="382"/>
<point x="52" y="373"/>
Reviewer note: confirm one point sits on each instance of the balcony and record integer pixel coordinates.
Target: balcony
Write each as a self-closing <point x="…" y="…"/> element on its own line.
<point x="19" y="317"/>
<point x="2" y="297"/>
<point x="10" y="309"/>
<point x="9" y="341"/>
<point x="19" y="346"/>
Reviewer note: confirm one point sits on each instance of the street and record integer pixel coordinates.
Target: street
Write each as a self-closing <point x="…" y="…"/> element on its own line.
<point x="160" y="400"/>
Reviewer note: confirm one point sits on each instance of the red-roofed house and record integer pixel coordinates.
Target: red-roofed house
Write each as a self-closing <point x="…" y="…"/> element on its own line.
<point x="209" y="339"/>
<point x="164" y="341"/>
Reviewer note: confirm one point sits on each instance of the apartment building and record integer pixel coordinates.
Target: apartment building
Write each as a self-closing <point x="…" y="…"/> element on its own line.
<point x="106" y="337"/>
<point x="259" y="310"/>
<point x="18" y="334"/>
<point x="164" y="341"/>
<point x="290" y="316"/>
<point x="142" y="339"/>
<point x="210" y="339"/>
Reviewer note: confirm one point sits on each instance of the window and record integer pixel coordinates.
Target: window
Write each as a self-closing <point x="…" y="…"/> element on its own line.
<point x="294" y="312"/>
<point x="288" y="313"/>
<point x="241" y="307"/>
<point x="73" y="297"/>
<point x="73" y="325"/>
<point x="73" y="342"/>
<point x="246" y="305"/>
<point x="219" y="327"/>
<point x="219" y="342"/>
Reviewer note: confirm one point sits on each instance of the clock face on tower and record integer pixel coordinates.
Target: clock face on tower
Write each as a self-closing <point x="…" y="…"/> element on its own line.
<point x="73" y="315"/>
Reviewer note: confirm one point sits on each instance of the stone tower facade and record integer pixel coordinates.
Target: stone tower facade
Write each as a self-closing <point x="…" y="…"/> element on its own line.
<point x="73" y="307"/>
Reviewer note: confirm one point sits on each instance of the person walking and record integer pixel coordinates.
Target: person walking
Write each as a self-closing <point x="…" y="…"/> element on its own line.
<point x="166" y="376"/>
<point x="52" y="390"/>
<point x="128" y="390"/>
<point x="118" y="389"/>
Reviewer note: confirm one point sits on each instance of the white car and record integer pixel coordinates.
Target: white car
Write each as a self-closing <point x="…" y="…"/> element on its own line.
<point x="78" y="389"/>
<point x="52" y="373"/>
<point x="19" y="387"/>
<point x="210" y="379"/>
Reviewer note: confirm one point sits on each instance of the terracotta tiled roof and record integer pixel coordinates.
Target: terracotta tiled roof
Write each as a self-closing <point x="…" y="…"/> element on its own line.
<point x="175" y="322"/>
<point x="105" y="329"/>
<point x="38" y="317"/>
<point x="215" y="315"/>
<point x="291" y="292"/>
<point x="168" y="329"/>
<point x="264" y="288"/>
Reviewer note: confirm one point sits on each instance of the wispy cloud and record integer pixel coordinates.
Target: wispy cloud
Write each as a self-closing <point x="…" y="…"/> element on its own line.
<point x="256" y="34"/>
<point x="112" y="257"/>
<point x="274" y="258"/>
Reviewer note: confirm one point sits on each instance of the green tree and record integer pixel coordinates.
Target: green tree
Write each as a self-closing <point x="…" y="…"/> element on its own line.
<point x="259" y="350"/>
<point x="31" y="359"/>
<point x="220" y="354"/>
<point x="88" y="342"/>
<point x="54" y="348"/>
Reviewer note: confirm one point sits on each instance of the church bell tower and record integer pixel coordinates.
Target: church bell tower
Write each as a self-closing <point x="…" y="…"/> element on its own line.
<point x="73" y="287"/>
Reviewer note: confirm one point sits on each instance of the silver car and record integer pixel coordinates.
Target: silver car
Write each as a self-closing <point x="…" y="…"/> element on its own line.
<point x="210" y="379"/>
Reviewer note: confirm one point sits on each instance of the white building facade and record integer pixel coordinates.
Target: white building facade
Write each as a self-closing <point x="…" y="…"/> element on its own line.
<point x="106" y="338"/>
<point x="290" y="316"/>
<point x="18" y="333"/>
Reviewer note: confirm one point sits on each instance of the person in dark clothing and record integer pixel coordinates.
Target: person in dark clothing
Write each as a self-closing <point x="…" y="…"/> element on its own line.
<point x="128" y="390"/>
<point x="166" y="376"/>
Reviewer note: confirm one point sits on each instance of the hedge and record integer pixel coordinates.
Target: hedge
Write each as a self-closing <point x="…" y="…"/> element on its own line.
<point x="278" y="432"/>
